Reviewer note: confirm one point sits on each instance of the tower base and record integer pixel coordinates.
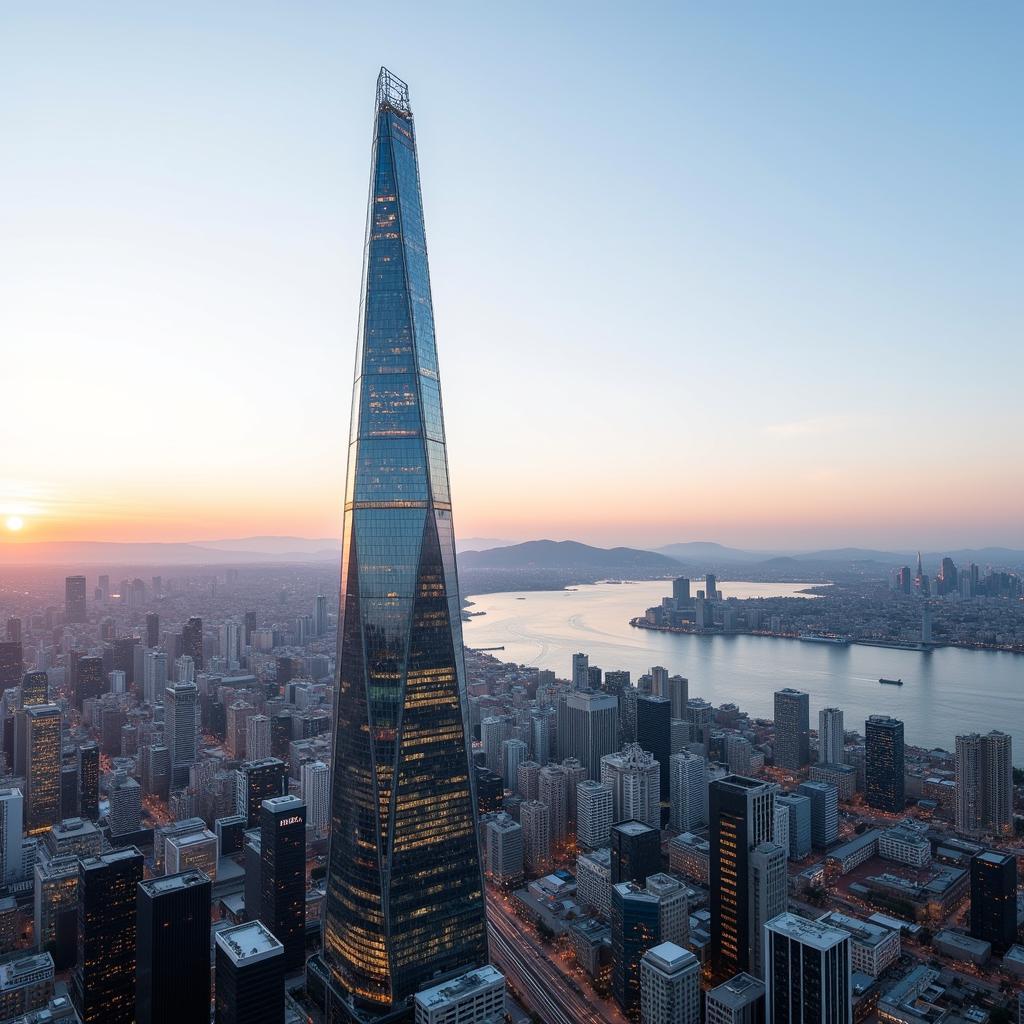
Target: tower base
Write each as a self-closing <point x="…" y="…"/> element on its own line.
<point x="338" y="1007"/>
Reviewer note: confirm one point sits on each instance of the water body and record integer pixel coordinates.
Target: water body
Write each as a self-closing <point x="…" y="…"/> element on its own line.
<point x="945" y="692"/>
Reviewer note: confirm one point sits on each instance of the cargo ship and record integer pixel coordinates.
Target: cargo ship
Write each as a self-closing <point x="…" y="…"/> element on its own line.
<point x="891" y="682"/>
<point x="812" y="638"/>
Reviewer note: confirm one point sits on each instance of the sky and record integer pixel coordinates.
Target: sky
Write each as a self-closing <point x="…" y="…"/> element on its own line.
<point x="740" y="272"/>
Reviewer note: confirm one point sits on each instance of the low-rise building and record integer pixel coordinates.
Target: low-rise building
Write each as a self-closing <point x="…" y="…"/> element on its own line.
<point x="843" y="859"/>
<point x="476" y="997"/>
<point x="26" y="983"/>
<point x="689" y="856"/>
<point x="962" y="947"/>
<point x="905" y="845"/>
<point x="872" y="947"/>
<point x="594" y="880"/>
<point x="740" y="1000"/>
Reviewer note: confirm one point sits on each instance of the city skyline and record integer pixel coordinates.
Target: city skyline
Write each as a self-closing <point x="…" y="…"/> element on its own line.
<point x="868" y="263"/>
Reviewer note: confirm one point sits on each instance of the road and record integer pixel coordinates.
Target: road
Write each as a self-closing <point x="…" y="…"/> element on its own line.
<point x="541" y="986"/>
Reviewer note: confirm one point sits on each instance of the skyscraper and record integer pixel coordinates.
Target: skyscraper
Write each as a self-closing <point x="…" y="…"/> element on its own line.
<point x="768" y="888"/>
<point x="283" y="875"/>
<point x="12" y="813"/>
<point x="592" y="728"/>
<point x="89" y="780"/>
<point x="42" y="767"/>
<point x="593" y="814"/>
<point x="654" y="731"/>
<point x="669" y="985"/>
<point x="741" y="813"/>
<point x="103" y="983"/>
<point x="91" y="680"/>
<point x="173" y="920"/>
<point x="635" y="780"/>
<point x="250" y="976"/>
<point x="154" y="676"/>
<point x="994" y="898"/>
<point x="192" y="642"/>
<point x="580" y="671"/>
<point x="689" y="791"/>
<point x="807" y="972"/>
<point x="984" y="784"/>
<point x="152" y="629"/>
<point x="180" y="703"/>
<point x="830" y="736"/>
<point x="74" y="599"/>
<point x="405" y="887"/>
<point x="824" y="812"/>
<point x="320" y="615"/>
<point x="316" y="795"/>
<point x="11" y="664"/>
<point x="792" y="728"/>
<point x="883" y="763"/>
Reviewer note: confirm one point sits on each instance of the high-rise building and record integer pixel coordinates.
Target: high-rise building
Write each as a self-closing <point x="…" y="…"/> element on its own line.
<point x="256" y="781"/>
<point x="553" y="790"/>
<point x="593" y="814"/>
<point x="494" y="731"/>
<point x="11" y="664"/>
<point x="669" y="985"/>
<point x="89" y="780"/>
<point x="792" y="728"/>
<point x="741" y="813"/>
<point x="320" y="615"/>
<point x="883" y="763"/>
<point x="740" y="1000"/>
<point x="984" y="784"/>
<point x="190" y="851"/>
<point x="513" y="753"/>
<point x="807" y="972"/>
<point x="12" y="814"/>
<point x="55" y="905"/>
<point x="503" y="843"/>
<point x="13" y="634"/>
<point x="91" y="681"/>
<point x="125" y="815"/>
<point x="192" y="641"/>
<point x="316" y="795"/>
<point x="994" y="898"/>
<point x="527" y="780"/>
<point x="490" y="790"/>
<point x="180" y="703"/>
<point x="257" y="737"/>
<point x="768" y="889"/>
<point x="154" y="676"/>
<point x="678" y="693"/>
<point x="591" y="728"/>
<point x="42" y="767"/>
<point x="798" y="808"/>
<point x="699" y="716"/>
<point x="681" y="592"/>
<point x="635" y="850"/>
<point x="831" y="738"/>
<point x="824" y="812"/>
<point x="74" y="599"/>
<point x="152" y="629"/>
<point x="405" y="898"/>
<point x="103" y="983"/>
<point x="594" y="880"/>
<point x="688" y="786"/>
<point x="250" y="976"/>
<point x="580" y="671"/>
<point x="634" y="777"/>
<point x="283" y="875"/>
<point x="654" y="731"/>
<point x="536" y="822"/>
<point x="173" y="968"/>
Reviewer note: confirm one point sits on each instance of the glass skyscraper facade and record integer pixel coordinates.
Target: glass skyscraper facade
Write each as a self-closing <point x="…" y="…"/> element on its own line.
<point x="405" y="896"/>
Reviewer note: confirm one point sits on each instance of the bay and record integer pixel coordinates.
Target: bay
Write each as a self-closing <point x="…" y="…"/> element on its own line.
<point x="946" y="692"/>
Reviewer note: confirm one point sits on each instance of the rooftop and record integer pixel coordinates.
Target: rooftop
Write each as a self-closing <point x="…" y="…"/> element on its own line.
<point x="809" y="933"/>
<point x="632" y="828"/>
<point x="994" y="857"/>
<point x="864" y="932"/>
<point x="669" y="957"/>
<point x="460" y="987"/>
<point x="173" y="883"/>
<point x="249" y="943"/>
<point x="738" y="991"/>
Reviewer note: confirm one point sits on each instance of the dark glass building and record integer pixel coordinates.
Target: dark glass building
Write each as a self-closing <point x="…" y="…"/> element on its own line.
<point x="741" y="814"/>
<point x="173" y="977"/>
<point x="250" y="976"/>
<point x="883" y="764"/>
<point x="192" y="640"/>
<point x="405" y="900"/>
<point x="152" y="629"/>
<point x="792" y="728"/>
<point x="103" y="982"/>
<point x="654" y="733"/>
<point x="636" y="851"/>
<point x="91" y="681"/>
<point x="283" y="875"/>
<point x="636" y="928"/>
<point x="490" y="790"/>
<point x="258" y="781"/>
<point x="10" y="664"/>
<point x="89" y="781"/>
<point x="74" y="599"/>
<point x="994" y="898"/>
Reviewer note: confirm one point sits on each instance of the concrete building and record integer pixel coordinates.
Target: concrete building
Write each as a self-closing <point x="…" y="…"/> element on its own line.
<point x="740" y="1000"/>
<point x="536" y="823"/>
<point x="591" y="723"/>
<point x="689" y="856"/>
<point x="768" y="896"/>
<point x="688" y="808"/>
<point x="503" y="850"/>
<point x="669" y="985"/>
<point x="593" y="814"/>
<point x="792" y="728"/>
<point x="872" y="947"/>
<point x="594" y="880"/>
<point x="475" y="997"/>
<point x="831" y="737"/>
<point x="905" y="845"/>
<point x="807" y="972"/>
<point x="634" y="777"/>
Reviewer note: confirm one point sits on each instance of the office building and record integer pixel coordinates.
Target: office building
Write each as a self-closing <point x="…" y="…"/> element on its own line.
<point x="634" y="777"/>
<point x="635" y="851"/>
<point x="12" y="814"/>
<point x="678" y="693"/>
<point x="514" y="753"/>
<point x="580" y="672"/>
<point x="594" y="880"/>
<point x="798" y="808"/>
<point x="154" y="676"/>
<point x="669" y="985"/>
<point x="103" y="982"/>
<point x="528" y="780"/>
<point x="26" y="984"/>
<point x="191" y="851"/>
<point x="42" y="767"/>
<point x="503" y="848"/>
<point x="688" y="785"/>
<point x="91" y="680"/>
<point x="740" y="1000"/>
<point x="74" y="599"/>
<point x="180" y="704"/>
<point x="173" y="968"/>
<point x="250" y="976"/>
<point x="11" y="664"/>
<point x="807" y="972"/>
<point x="192" y="643"/>
<point x="152" y="630"/>
<point x="768" y="888"/>
<point x="316" y="795"/>
<point x="593" y="814"/>
<point x="320" y="615"/>
<point x="792" y="728"/>
<point x="883" y="764"/>
<point x="494" y="731"/>
<point x="831" y="737"/>
<point x="741" y="815"/>
<point x="256" y="781"/>
<point x="257" y="737"/>
<point x="536" y="822"/>
<point x="55" y="909"/>
<point x="873" y="948"/>
<point x="654" y="732"/>
<point x="475" y="997"/>
<point x="824" y="812"/>
<point x="984" y="784"/>
<point x="994" y="898"/>
<point x="591" y="728"/>
<point x="73" y="837"/>
<point x="490" y="790"/>
<point x="125" y="815"/>
<point x="89" y="781"/>
<point x="699" y="716"/>
<point x="283" y="875"/>
<point x="553" y="791"/>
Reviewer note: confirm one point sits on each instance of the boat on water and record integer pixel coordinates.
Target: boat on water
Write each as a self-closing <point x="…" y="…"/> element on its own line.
<point x="813" y="638"/>
<point x="891" y="682"/>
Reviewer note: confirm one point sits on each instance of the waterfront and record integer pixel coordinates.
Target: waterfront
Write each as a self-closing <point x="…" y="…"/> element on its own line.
<point x="946" y="691"/>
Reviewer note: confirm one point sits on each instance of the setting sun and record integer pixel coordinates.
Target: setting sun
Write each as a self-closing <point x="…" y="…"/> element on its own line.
<point x="15" y="523"/>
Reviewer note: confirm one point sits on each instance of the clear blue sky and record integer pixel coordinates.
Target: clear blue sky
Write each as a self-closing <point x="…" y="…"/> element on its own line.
<point x="747" y="272"/>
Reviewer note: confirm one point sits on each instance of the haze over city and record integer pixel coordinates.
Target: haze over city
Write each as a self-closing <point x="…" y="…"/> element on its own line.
<point x="706" y="273"/>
